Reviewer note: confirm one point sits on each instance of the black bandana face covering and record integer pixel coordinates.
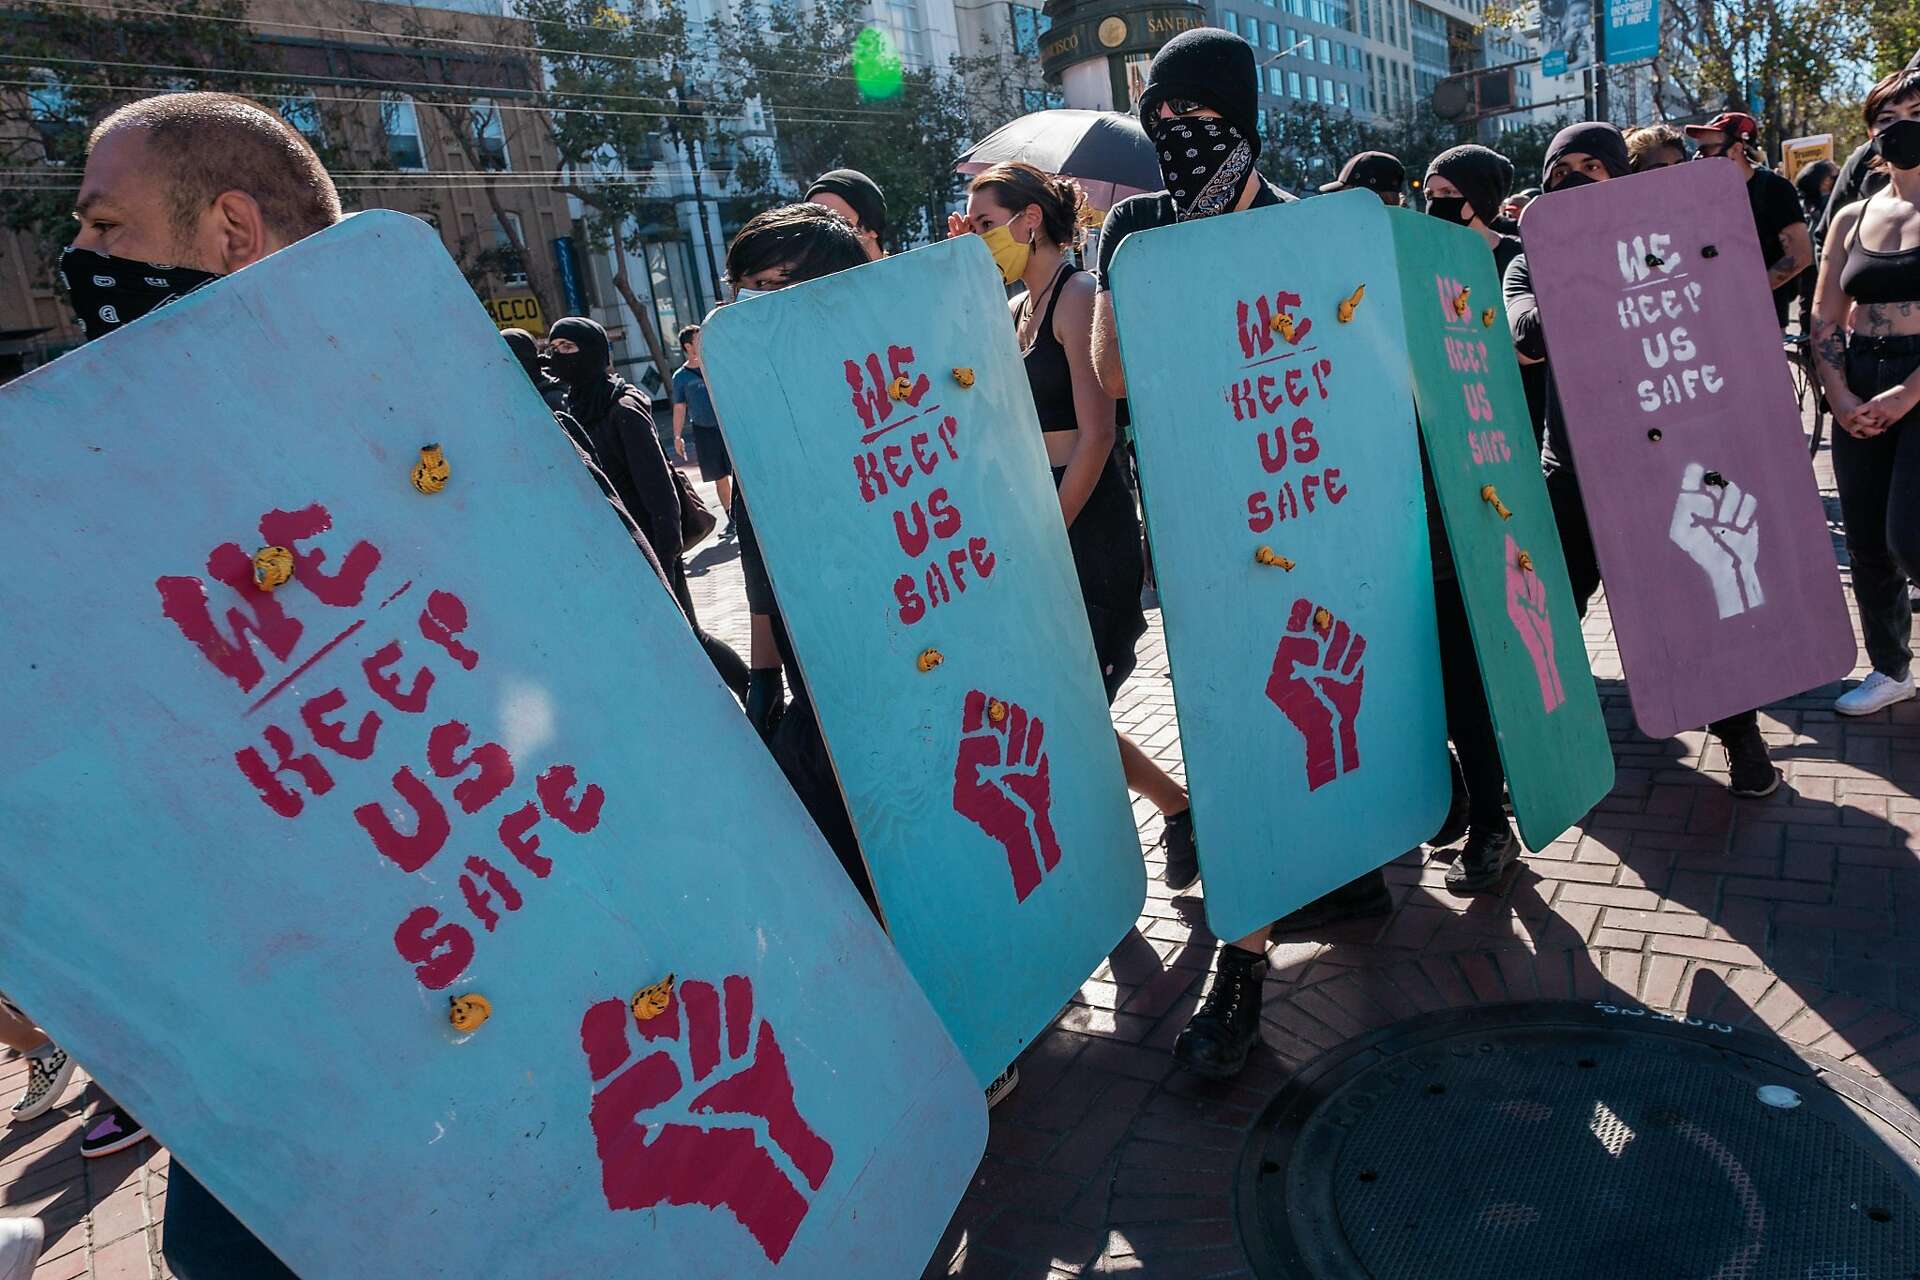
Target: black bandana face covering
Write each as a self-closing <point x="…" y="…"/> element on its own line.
<point x="110" y="292"/>
<point x="1205" y="162"/>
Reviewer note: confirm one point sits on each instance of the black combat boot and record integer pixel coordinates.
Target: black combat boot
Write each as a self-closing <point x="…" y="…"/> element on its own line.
<point x="1226" y="1026"/>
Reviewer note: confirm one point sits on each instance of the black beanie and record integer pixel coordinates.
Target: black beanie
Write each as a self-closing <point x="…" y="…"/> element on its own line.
<point x="861" y="193"/>
<point x="1213" y="68"/>
<point x="1483" y="175"/>
<point x="1593" y="138"/>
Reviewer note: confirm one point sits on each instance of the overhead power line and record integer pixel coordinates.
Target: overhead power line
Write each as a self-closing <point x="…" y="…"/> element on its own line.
<point x="543" y="51"/>
<point x="410" y="86"/>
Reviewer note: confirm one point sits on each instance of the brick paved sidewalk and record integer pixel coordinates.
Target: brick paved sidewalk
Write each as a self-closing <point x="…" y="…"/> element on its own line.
<point x="1796" y="913"/>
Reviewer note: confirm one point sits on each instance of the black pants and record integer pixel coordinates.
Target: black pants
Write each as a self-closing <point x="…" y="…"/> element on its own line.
<point x="1469" y="720"/>
<point x="1879" y="482"/>
<point x="1583" y="571"/>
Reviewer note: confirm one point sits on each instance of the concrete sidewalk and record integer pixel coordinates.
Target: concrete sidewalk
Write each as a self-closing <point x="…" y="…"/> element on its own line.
<point x="1795" y="913"/>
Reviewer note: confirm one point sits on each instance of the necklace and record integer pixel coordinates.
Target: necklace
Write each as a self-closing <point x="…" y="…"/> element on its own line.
<point x="1032" y="308"/>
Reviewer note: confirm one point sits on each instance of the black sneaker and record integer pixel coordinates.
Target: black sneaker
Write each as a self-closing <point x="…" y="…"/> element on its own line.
<point x="1358" y="900"/>
<point x="1183" y="863"/>
<point x="1226" y="1026"/>
<point x="110" y="1131"/>
<point x="1751" y="767"/>
<point x="1489" y="852"/>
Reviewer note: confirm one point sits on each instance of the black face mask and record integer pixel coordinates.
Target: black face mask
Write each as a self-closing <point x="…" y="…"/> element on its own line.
<point x="1899" y="144"/>
<point x="110" y="292"/>
<point x="1573" y="180"/>
<point x="573" y="367"/>
<point x="1204" y="162"/>
<point x="1450" y="209"/>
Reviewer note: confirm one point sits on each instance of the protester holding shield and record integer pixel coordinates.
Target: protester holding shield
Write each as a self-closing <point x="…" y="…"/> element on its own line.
<point x="1580" y="155"/>
<point x="1866" y="331"/>
<point x="1201" y="109"/>
<point x="1030" y="219"/>
<point x="1464" y="185"/>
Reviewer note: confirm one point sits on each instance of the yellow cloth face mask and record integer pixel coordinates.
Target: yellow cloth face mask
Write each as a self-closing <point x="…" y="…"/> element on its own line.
<point x="1009" y="255"/>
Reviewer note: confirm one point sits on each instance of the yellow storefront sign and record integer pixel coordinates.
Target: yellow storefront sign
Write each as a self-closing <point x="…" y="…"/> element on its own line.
<point x="518" y="311"/>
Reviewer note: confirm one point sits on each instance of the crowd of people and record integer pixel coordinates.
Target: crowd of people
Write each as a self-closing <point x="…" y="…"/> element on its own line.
<point x="253" y="186"/>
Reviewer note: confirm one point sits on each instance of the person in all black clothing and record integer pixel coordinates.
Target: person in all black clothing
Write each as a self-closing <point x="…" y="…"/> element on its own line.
<point x="527" y="352"/>
<point x="1580" y="155"/>
<point x="1785" y="243"/>
<point x="1031" y="219"/>
<point x="1465" y="185"/>
<point x="1374" y="171"/>
<point x="1866" y="332"/>
<point x="1202" y="94"/>
<point x="618" y="422"/>
<point x="733" y="671"/>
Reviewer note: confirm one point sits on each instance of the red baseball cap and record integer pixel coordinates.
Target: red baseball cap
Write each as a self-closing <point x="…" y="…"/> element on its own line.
<point x="1735" y="124"/>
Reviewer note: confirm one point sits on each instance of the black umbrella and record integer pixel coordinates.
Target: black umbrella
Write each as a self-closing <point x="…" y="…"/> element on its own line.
<point x="1105" y="152"/>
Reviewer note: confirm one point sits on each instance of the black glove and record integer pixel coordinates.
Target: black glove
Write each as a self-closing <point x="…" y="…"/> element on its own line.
<point x="763" y="697"/>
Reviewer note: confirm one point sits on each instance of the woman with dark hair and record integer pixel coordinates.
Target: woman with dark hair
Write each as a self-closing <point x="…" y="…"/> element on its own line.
<point x="618" y="422"/>
<point x="1866" y="335"/>
<point x="1030" y="220"/>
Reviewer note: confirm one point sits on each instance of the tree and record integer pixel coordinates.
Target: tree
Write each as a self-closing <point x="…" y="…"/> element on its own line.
<point x="86" y="61"/>
<point x="610" y="91"/>
<point x="1787" y="61"/>
<point x="836" y="95"/>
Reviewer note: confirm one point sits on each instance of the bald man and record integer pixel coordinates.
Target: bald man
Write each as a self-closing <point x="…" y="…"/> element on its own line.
<point x="181" y="189"/>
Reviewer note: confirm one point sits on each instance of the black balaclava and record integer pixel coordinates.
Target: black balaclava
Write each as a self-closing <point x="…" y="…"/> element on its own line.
<point x="1482" y="175"/>
<point x="109" y="292"/>
<point x="862" y="194"/>
<point x="1213" y="68"/>
<point x="586" y="373"/>
<point x="527" y="352"/>
<point x="1594" y="138"/>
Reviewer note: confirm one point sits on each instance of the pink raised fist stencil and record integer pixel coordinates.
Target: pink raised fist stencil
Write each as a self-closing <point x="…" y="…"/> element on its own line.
<point x="1316" y="683"/>
<point x="1527" y="610"/>
<point x="1001" y="785"/>
<point x="700" y="1111"/>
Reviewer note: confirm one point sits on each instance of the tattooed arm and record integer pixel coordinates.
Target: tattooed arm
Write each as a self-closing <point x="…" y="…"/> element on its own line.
<point x="1830" y="306"/>
<point x="1796" y="255"/>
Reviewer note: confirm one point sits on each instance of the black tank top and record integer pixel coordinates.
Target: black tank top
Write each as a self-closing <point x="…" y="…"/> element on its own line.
<point x="1872" y="276"/>
<point x="1048" y="374"/>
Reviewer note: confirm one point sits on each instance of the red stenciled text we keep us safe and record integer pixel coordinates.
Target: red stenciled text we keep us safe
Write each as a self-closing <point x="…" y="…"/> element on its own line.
<point x="1283" y="372"/>
<point x="302" y="751"/>
<point x="904" y="444"/>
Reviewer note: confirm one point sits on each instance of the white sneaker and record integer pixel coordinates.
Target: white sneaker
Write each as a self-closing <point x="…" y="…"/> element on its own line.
<point x="20" y="1242"/>
<point x="1876" y="693"/>
<point x="1002" y="1086"/>
<point x="47" y="1078"/>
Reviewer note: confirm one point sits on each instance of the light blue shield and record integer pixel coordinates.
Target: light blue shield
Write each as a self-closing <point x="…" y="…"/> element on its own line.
<point x="273" y="848"/>
<point x="1281" y="475"/>
<point x="888" y="449"/>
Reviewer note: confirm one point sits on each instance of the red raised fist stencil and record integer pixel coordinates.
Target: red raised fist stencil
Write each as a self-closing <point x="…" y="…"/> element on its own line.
<point x="1001" y="785"/>
<point x="694" y="1106"/>
<point x="1316" y="683"/>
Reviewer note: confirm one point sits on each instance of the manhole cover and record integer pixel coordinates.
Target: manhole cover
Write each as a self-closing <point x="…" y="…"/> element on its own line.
<point x="1527" y="1142"/>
